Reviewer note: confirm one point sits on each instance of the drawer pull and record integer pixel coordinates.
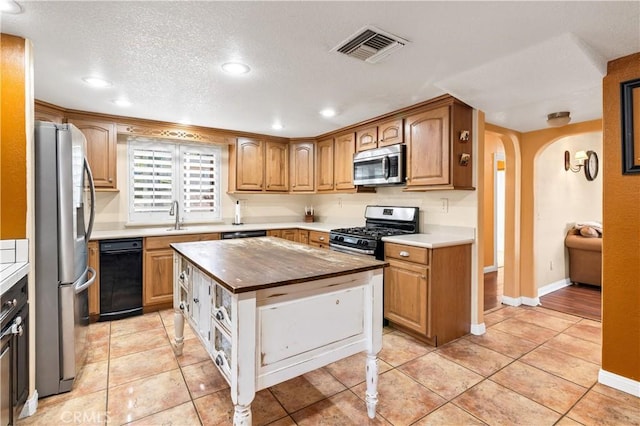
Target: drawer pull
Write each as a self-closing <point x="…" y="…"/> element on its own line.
<point x="321" y="238"/>
<point x="404" y="253"/>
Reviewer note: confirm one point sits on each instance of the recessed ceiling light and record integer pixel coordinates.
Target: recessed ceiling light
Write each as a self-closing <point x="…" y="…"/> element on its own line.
<point x="328" y="112"/>
<point x="10" y="6"/>
<point x="277" y="126"/>
<point x="122" y="102"/>
<point x="97" y="82"/>
<point x="235" y="68"/>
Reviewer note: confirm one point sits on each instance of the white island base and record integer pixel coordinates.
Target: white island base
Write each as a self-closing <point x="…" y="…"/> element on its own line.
<point x="260" y="338"/>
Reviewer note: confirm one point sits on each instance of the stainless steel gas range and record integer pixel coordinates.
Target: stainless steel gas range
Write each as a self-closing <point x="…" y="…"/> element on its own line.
<point x="381" y="221"/>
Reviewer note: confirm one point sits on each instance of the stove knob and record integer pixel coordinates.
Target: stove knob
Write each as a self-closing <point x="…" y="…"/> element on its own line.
<point x="365" y="243"/>
<point x="340" y="238"/>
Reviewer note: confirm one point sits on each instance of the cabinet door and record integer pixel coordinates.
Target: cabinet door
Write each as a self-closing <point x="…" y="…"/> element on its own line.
<point x="367" y="139"/>
<point x="274" y="233"/>
<point x="405" y="295"/>
<point x="324" y="165"/>
<point x="101" y="151"/>
<point x="345" y="147"/>
<point x="303" y="236"/>
<point x="428" y="144"/>
<point x="390" y="133"/>
<point x="289" y="234"/>
<point x="94" y="290"/>
<point x="302" y="169"/>
<point x="276" y="168"/>
<point x="157" y="281"/>
<point x="249" y="164"/>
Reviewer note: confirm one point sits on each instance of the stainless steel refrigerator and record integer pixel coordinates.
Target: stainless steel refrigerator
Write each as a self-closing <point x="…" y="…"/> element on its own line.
<point x="64" y="213"/>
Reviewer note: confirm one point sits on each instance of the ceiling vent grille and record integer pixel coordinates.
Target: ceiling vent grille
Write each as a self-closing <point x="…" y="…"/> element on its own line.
<point x="370" y="44"/>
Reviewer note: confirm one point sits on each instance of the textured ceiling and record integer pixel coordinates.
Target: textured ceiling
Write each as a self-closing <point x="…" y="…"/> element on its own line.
<point x="517" y="61"/>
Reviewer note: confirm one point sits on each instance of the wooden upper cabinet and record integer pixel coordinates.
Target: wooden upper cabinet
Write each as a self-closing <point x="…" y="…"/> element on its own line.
<point x="384" y="134"/>
<point x="324" y="165"/>
<point x="47" y="112"/>
<point x="101" y="150"/>
<point x="302" y="167"/>
<point x="367" y="139"/>
<point x="249" y="164"/>
<point x="428" y="153"/>
<point x="276" y="167"/>
<point x="345" y="147"/>
<point x="390" y="133"/>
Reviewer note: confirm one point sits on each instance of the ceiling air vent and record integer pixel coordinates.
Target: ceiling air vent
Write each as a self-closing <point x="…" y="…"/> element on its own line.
<point x="370" y="44"/>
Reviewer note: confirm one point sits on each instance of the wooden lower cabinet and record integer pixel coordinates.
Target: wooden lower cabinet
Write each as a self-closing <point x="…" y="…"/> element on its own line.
<point x="303" y="236"/>
<point x="94" y="290"/>
<point x="319" y="239"/>
<point x="287" y="234"/>
<point x="427" y="292"/>
<point x="157" y="275"/>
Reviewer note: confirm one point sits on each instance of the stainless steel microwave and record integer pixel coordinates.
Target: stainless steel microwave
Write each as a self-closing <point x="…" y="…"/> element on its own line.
<point x="381" y="166"/>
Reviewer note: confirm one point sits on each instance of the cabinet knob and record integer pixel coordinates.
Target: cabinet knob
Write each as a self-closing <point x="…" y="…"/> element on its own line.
<point x="424" y="277"/>
<point x="404" y="253"/>
<point x="219" y="361"/>
<point x="321" y="238"/>
<point x="110" y="180"/>
<point x="219" y="316"/>
<point x="196" y="300"/>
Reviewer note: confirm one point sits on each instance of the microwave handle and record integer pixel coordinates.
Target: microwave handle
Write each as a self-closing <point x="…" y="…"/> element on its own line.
<point x="385" y="166"/>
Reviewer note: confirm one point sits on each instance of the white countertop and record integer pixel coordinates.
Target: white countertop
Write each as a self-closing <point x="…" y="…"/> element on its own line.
<point x="14" y="265"/>
<point x="434" y="237"/>
<point x="430" y="241"/>
<point x="201" y="229"/>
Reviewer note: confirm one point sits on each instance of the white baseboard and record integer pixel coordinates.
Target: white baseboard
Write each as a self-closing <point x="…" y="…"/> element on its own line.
<point x="511" y="301"/>
<point x="621" y="383"/>
<point x="530" y="301"/>
<point x="30" y="406"/>
<point x="478" y="329"/>
<point x="550" y="288"/>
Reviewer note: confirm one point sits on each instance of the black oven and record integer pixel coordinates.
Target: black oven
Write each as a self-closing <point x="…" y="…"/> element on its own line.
<point x="14" y="351"/>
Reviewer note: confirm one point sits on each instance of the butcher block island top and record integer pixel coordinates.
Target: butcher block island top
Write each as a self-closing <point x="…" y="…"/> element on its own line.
<point x="250" y="264"/>
<point x="268" y="310"/>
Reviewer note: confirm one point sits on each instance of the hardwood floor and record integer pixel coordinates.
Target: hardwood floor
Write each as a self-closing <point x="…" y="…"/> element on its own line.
<point x="577" y="299"/>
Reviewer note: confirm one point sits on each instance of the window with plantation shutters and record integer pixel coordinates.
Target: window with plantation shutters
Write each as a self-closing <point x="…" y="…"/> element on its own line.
<point x="161" y="172"/>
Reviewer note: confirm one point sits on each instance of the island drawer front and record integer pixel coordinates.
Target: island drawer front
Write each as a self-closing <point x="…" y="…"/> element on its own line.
<point x="221" y="349"/>
<point x="321" y="320"/>
<point x="222" y="310"/>
<point x="408" y="253"/>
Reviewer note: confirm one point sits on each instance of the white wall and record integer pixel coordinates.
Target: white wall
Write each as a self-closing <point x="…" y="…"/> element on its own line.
<point x="343" y="209"/>
<point x="561" y="199"/>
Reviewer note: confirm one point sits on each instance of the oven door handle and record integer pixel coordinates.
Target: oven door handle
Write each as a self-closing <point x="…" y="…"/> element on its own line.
<point x="349" y="250"/>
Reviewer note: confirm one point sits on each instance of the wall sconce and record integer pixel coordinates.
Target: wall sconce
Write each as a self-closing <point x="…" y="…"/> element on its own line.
<point x="580" y="157"/>
<point x="558" y="119"/>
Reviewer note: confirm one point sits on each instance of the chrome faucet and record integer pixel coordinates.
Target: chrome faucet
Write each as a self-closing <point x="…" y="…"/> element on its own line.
<point x="175" y="210"/>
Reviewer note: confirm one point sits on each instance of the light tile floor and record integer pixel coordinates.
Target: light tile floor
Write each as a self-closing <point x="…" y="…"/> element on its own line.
<point x="533" y="366"/>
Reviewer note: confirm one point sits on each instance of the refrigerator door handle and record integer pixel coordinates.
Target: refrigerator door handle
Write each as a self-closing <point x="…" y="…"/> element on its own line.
<point x="92" y="189"/>
<point x="79" y="288"/>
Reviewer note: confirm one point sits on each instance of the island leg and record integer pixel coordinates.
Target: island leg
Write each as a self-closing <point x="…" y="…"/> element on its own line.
<point x="242" y="415"/>
<point x="178" y="322"/>
<point x="371" y="396"/>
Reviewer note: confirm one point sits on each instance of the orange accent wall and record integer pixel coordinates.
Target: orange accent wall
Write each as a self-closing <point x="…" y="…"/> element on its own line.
<point x="13" y="156"/>
<point x="621" y="236"/>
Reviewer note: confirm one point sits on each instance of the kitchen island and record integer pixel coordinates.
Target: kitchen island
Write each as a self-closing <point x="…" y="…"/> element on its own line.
<point x="268" y="310"/>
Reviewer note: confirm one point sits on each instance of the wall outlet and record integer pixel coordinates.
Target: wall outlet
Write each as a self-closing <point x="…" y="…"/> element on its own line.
<point x="551" y="265"/>
<point x="444" y="205"/>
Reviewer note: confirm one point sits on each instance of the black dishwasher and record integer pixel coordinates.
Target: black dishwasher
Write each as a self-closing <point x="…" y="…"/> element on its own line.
<point x="120" y="278"/>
